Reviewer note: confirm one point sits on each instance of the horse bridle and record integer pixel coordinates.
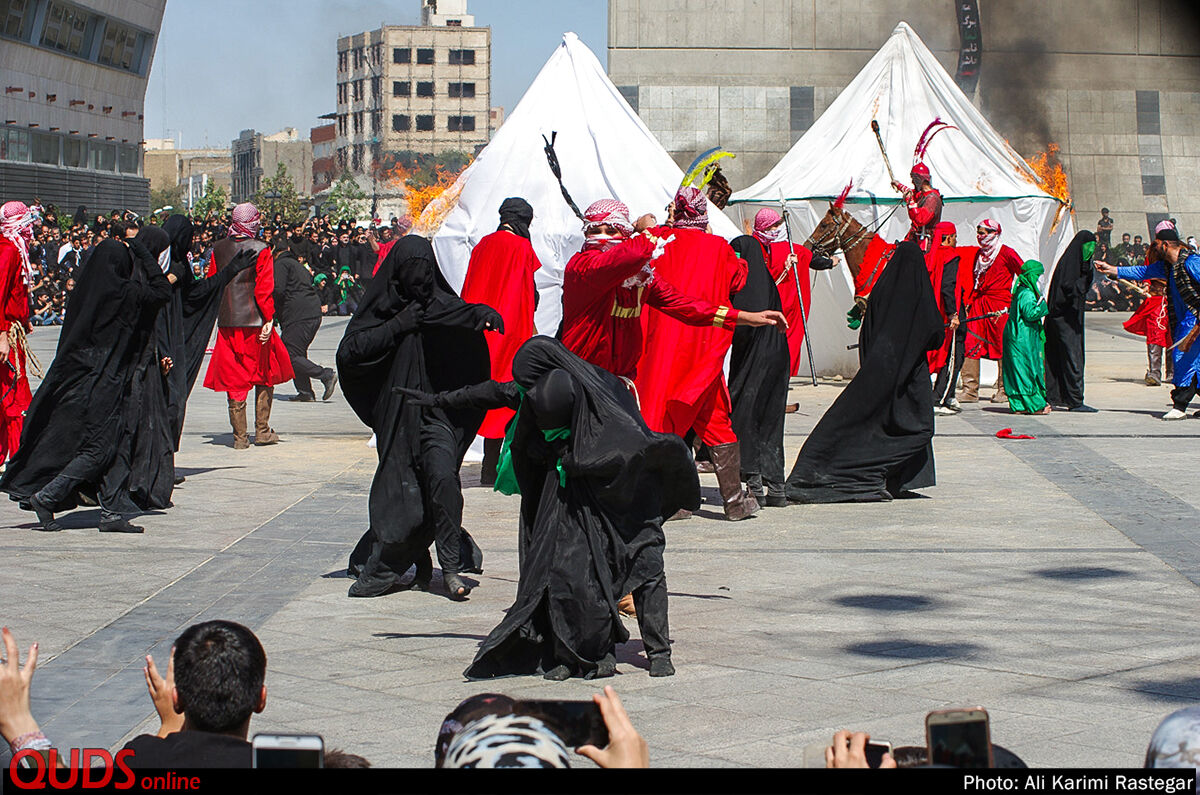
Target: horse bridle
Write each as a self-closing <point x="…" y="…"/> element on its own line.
<point x="835" y="236"/>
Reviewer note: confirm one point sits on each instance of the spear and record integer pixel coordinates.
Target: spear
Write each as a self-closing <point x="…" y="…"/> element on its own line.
<point x="879" y="137"/>
<point x="787" y="225"/>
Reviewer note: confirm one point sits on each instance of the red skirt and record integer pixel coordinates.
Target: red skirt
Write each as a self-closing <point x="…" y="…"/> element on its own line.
<point x="1150" y="321"/>
<point x="240" y="361"/>
<point x="13" y="405"/>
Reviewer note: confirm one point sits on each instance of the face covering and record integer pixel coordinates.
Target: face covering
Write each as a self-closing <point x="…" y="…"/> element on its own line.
<point x="1089" y="249"/>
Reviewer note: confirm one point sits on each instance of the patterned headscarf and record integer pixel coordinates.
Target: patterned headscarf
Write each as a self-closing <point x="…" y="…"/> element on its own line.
<point x="16" y="225"/>
<point x="1176" y="741"/>
<point x="466" y="713"/>
<point x="1163" y="226"/>
<point x="497" y="741"/>
<point x="246" y="222"/>
<point x="608" y="211"/>
<point x="989" y="247"/>
<point x="691" y="209"/>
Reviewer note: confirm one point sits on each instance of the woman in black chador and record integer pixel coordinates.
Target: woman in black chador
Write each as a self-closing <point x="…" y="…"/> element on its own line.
<point x="1066" y="300"/>
<point x="875" y="441"/>
<point x="412" y="331"/>
<point x="595" y="485"/>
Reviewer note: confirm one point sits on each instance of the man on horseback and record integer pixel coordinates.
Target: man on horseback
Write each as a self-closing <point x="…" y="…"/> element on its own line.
<point x="924" y="206"/>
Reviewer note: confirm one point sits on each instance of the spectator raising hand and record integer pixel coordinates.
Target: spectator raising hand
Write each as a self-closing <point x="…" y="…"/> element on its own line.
<point x="162" y="693"/>
<point x="626" y="748"/>
<point x="17" y="725"/>
<point x="850" y="751"/>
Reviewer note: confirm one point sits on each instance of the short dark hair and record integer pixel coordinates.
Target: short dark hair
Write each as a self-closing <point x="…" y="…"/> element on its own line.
<point x="219" y="671"/>
<point x="1104" y="210"/>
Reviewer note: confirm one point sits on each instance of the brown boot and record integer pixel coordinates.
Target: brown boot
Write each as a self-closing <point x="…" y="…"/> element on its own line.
<point x="739" y="503"/>
<point x="263" y="435"/>
<point x="970" y="380"/>
<point x="625" y="606"/>
<point x="1000" y="397"/>
<point x="237" y="419"/>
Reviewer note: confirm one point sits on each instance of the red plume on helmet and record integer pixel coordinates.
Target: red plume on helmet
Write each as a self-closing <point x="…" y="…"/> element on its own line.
<point x="935" y="127"/>
<point x="840" y="203"/>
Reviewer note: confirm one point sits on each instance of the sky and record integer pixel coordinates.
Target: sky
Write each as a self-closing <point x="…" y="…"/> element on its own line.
<point x="223" y="66"/>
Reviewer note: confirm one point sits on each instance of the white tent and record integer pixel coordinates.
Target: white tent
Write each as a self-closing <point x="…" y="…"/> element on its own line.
<point x="904" y="88"/>
<point x="605" y="151"/>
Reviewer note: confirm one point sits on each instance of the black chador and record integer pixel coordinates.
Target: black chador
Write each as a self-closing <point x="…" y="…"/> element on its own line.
<point x="412" y="331"/>
<point x="875" y="441"/>
<point x="758" y="380"/>
<point x="1066" y="301"/>
<point x="76" y="425"/>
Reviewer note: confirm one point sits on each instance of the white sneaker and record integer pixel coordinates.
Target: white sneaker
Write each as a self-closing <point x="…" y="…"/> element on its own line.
<point x="1175" y="414"/>
<point x="372" y="441"/>
<point x="944" y="411"/>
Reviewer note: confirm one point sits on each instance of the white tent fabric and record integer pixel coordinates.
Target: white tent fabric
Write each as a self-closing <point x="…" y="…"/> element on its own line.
<point x="904" y="88"/>
<point x="605" y="151"/>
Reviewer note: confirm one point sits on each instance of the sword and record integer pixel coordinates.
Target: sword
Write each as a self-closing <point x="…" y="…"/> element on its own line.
<point x="787" y="225"/>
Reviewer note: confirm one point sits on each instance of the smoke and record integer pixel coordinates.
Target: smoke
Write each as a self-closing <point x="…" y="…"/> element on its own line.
<point x="1012" y="90"/>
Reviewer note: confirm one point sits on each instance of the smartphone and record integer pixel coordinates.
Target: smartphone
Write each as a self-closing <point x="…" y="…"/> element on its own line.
<point x="575" y="722"/>
<point x="959" y="738"/>
<point x="292" y="751"/>
<point x="875" y="753"/>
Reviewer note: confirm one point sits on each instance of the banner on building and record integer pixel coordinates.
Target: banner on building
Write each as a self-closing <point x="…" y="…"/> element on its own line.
<point x="971" y="50"/>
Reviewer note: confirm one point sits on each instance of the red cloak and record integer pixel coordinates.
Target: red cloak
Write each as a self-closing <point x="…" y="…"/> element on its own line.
<point x="500" y="275"/>
<point x="991" y="293"/>
<point x="239" y="360"/>
<point x="14" y="308"/>
<point x="681" y="363"/>
<point x="879" y="252"/>
<point x="776" y="256"/>
<point x="1151" y="321"/>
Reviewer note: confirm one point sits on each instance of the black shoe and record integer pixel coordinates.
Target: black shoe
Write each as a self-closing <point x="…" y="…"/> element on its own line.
<point x="661" y="666"/>
<point x="457" y="589"/>
<point x="777" y="501"/>
<point x="44" y="516"/>
<point x="1083" y="408"/>
<point x="560" y="674"/>
<point x="120" y="525"/>
<point x="180" y="479"/>
<point x="305" y="397"/>
<point x="329" y="381"/>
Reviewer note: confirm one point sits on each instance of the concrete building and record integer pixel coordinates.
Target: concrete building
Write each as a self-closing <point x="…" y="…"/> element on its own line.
<point x="325" y="170"/>
<point x="423" y="88"/>
<point x="193" y="170"/>
<point x="255" y="156"/>
<point x="74" y="78"/>
<point x="1120" y="95"/>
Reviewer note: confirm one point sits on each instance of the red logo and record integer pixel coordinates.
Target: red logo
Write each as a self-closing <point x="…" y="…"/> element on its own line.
<point x="79" y="772"/>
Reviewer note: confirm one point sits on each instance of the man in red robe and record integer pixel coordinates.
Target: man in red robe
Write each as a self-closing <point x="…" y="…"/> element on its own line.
<point x="249" y="352"/>
<point x="785" y="265"/>
<point x="680" y="377"/>
<point x="607" y="285"/>
<point x="16" y="234"/>
<point x="500" y="275"/>
<point x="924" y="206"/>
<point x="987" y="274"/>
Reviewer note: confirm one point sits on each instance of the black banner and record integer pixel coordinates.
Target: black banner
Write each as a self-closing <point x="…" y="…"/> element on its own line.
<point x="970" y="54"/>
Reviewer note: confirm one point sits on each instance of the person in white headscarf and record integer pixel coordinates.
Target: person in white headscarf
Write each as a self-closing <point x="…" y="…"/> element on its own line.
<point x="16" y="233"/>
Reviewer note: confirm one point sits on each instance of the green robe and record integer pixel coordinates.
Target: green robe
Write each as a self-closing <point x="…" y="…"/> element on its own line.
<point x="1025" y="352"/>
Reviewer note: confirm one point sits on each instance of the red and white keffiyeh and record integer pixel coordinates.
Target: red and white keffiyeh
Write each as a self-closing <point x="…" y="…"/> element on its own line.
<point x="16" y="225"/>
<point x="246" y="221"/>
<point x="610" y="212"/>
<point x="691" y="209"/>
<point x="768" y="227"/>
<point x="989" y="247"/>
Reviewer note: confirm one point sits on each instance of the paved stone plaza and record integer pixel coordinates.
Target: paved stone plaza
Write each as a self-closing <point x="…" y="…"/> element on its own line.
<point x="1052" y="581"/>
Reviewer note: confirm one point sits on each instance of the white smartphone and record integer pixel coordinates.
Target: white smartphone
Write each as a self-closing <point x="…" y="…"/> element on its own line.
<point x="304" y="751"/>
<point x="959" y="738"/>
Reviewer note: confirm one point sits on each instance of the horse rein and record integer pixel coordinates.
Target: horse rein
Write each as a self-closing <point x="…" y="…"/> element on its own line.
<point x="835" y="236"/>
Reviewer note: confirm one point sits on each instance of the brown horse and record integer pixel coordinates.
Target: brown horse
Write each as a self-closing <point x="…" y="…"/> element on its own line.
<point x="839" y="231"/>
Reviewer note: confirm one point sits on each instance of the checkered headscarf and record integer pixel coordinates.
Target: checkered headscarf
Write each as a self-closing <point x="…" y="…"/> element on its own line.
<point x="16" y="225"/>
<point x="691" y="209"/>
<point x="247" y="220"/>
<point x="608" y="211"/>
<point x="768" y="226"/>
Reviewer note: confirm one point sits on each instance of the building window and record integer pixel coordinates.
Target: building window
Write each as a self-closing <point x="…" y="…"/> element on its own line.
<point x="462" y="90"/>
<point x="358" y="90"/>
<point x="102" y="157"/>
<point x="14" y="145"/>
<point x="401" y="122"/>
<point x="45" y="149"/>
<point x="343" y="60"/>
<point x="425" y="57"/>
<point x="358" y="58"/>
<point x="342" y="126"/>
<point x="15" y="18"/>
<point x="462" y="57"/>
<point x="425" y="123"/>
<point x="74" y="153"/>
<point x="401" y="89"/>
<point x="117" y="48"/>
<point x="343" y="97"/>
<point x="376" y="88"/>
<point x="376" y="122"/>
<point x="65" y="28"/>
<point x="358" y="122"/>
<point x="402" y="55"/>
<point x="424" y="89"/>
<point x="127" y="160"/>
<point x="462" y="124"/>
<point x="454" y="23"/>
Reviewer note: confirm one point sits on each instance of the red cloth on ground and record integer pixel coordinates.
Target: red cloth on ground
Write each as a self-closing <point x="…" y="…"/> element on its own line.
<point x="879" y="251"/>
<point x="14" y="307"/>
<point x="709" y="416"/>
<point x="602" y="319"/>
<point x="1151" y="321"/>
<point x="776" y="257"/>
<point x="500" y="275"/>
<point x="239" y="361"/>
<point x="681" y="363"/>
<point x="992" y="293"/>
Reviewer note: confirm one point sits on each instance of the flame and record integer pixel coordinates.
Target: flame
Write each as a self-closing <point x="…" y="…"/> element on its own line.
<point x="428" y="205"/>
<point x="1053" y="179"/>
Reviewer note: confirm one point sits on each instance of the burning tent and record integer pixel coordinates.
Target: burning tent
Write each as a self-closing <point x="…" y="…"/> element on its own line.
<point x="904" y="88"/>
<point x="605" y="151"/>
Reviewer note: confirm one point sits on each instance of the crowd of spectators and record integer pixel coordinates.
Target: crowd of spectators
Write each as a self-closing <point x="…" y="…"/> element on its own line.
<point x="1108" y="295"/>
<point x="342" y="256"/>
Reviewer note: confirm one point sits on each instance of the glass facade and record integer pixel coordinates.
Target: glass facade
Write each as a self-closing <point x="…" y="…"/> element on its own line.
<point x="52" y="149"/>
<point x="71" y="30"/>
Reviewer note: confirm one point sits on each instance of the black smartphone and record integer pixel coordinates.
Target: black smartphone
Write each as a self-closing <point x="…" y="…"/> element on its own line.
<point x="875" y="753"/>
<point x="959" y="738"/>
<point x="575" y="722"/>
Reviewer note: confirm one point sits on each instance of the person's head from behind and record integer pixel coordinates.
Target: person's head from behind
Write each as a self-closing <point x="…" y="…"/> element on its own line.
<point x="512" y="741"/>
<point x="1176" y="741"/>
<point x="220" y="669"/>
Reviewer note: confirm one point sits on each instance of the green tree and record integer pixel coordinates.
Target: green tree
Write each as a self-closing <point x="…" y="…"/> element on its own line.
<point x="278" y="194"/>
<point x="213" y="202"/>
<point x="347" y="199"/>
<point x="167" y="197"/>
